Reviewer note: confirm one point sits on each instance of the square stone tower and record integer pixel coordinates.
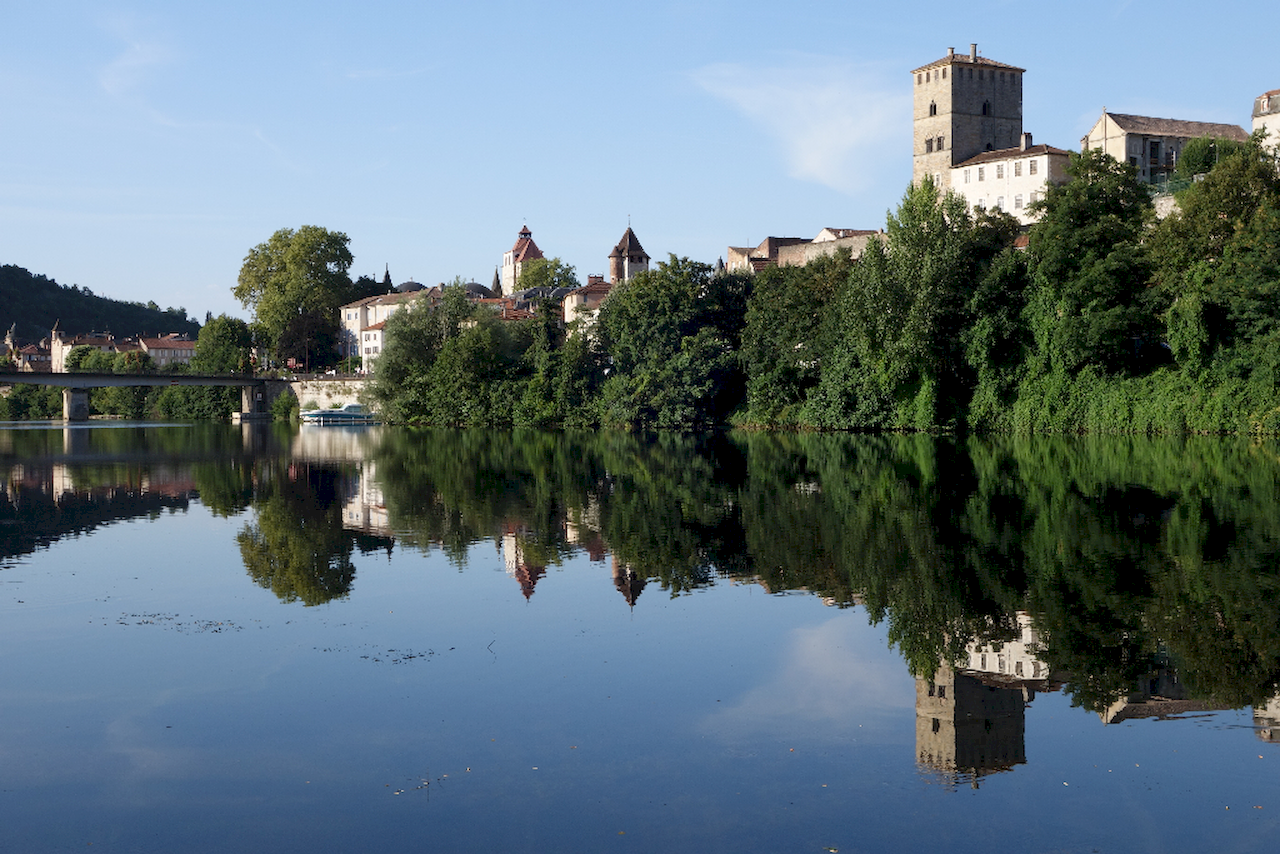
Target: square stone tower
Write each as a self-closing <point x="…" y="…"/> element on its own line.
<point x="963" y="106"/>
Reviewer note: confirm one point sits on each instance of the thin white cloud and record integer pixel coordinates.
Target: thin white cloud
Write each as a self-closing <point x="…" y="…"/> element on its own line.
<point x="139" y="59"/>
<point x="835" y="120"/>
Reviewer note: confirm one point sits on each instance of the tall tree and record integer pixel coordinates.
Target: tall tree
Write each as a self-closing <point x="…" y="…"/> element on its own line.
<point x="296" y="272"/>
<point x="1090" y="304"/>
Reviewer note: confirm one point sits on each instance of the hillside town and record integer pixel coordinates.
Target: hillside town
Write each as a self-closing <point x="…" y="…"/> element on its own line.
<point x="968" y="138"/>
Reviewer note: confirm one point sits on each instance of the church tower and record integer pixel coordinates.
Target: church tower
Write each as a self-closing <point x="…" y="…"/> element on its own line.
<point x="963" y="106"/>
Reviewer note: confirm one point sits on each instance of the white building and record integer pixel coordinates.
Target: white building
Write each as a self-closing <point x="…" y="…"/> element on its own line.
<point x="362" y="322"/>
<point x="1266" y="115"/>
<point x="1010" y="179"/>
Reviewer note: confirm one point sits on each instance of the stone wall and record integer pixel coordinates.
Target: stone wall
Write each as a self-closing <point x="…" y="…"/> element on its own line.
<point x="328" y="393"/>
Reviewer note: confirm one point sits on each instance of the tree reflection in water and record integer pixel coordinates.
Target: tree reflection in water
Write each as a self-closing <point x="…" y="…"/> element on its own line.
<point x="1129" y="571"/>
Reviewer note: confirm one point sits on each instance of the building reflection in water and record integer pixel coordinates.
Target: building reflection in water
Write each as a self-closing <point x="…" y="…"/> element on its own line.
<point x="971" y="721"/>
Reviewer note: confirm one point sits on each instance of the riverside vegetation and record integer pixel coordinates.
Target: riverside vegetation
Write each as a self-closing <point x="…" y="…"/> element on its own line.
<point x="1109" y="321"/>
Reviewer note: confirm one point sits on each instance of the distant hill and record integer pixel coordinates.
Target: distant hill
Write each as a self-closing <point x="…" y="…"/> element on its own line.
<point x="34" y="303"/>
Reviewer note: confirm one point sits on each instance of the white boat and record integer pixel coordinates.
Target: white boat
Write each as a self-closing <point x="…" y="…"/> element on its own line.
<point x="352" y="413"/>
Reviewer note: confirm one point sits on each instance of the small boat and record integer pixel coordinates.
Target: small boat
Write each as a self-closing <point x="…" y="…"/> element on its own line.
<point x="352" y="413"/>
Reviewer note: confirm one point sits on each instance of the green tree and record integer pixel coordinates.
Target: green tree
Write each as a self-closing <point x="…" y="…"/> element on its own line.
<point x="672" y="335"/>
<point x="782" y="350"/>
<point x="547" y="273"/>
<point x="1090" y="304"/>
<point x="295" y="273"/>
<point x="897" y="355"/>
<point x="225" y="346"/>
<point x="1201" y="155"/>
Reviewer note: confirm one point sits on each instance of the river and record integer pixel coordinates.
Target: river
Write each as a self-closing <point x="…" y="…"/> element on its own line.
<point x="266" y="638"/>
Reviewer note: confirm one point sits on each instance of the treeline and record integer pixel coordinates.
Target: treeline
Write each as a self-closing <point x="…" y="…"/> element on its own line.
<point x="1106" y="321"/>
<point x="34" y="303"/>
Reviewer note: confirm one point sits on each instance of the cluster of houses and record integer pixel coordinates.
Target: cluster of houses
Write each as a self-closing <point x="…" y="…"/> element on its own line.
<point x="363" y="323"/>
<point x="50" y="354"/>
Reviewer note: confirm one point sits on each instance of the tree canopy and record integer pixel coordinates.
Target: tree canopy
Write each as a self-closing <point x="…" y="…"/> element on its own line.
<point x="295" y="273"/>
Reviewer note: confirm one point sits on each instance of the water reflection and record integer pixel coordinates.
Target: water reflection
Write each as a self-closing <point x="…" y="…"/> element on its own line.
<point x="1139" y="577"/>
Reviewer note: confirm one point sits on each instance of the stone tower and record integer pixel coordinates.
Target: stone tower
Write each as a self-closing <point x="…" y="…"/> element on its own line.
<point x="627" y="258"/>
<point x="963" y="106"/>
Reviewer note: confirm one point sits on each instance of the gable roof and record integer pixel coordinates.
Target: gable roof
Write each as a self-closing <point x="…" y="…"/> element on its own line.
<point x="1011" y="154"/>
<point x="1177" y="127"/>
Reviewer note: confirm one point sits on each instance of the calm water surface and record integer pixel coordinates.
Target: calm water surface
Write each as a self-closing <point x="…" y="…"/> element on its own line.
<point x="343" y="640"/>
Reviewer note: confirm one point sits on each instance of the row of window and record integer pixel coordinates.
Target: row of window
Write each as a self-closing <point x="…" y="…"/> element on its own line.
<point x="1017" y="202"/>
<point x="931" y="144"/>
<point x="933" y="108"/>
<point x="1033" y="167"/>
<point x="942" y="75"/>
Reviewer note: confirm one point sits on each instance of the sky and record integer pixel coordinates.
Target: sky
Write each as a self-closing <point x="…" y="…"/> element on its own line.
<point x="146" y="147"/>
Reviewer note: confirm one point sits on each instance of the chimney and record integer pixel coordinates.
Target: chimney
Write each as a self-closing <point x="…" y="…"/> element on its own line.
<point x="1026" y="141"/>
<point x="973" y="53"/>
<point x="951" y="52"/>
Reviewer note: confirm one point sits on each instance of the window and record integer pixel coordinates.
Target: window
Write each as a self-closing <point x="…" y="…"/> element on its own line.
<point x="1033" y="198"/>
<point x="944" y="74"/>
<point x="1031" y="167"/>
<point x="999" y="203"/>
<point x="982" y="173"/>
<point x="928" y="146"/>
<point x="919" y="78"/>
<point x="986" y="105"/>
<point x="1017" y="203"/>
<point x="926" y="77"/>
<point x="940" y="145"/>
<point x="933" y="109"/>
<point x="1017" y="169"/>
<point x="999" y="170"/>
<point x="966" y="176"/>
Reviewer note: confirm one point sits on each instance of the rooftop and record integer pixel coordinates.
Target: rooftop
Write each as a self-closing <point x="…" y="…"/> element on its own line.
<point x="1177" y="127"/>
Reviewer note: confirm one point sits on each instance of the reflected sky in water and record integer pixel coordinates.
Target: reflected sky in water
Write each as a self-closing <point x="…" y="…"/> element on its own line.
<point x="159" y="697"/>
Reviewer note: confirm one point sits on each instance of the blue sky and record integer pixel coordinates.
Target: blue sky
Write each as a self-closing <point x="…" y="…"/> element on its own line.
<point x="147" y="146"/>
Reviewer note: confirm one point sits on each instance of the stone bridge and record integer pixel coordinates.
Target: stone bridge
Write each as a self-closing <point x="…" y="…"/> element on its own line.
<point x="256" y="393"/>
<point x="254" y="400"/>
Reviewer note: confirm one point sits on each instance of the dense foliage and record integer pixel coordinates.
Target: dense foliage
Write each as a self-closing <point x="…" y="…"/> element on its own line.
<point x="1108" y="320"/>
<point x="294" y="283"/>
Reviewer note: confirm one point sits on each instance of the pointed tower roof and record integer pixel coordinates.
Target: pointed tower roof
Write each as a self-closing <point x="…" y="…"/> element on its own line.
<point x="628" y="245"/>
<point x="525" y="249"/>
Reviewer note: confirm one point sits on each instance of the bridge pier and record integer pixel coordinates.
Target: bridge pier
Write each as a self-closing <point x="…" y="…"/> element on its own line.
<point x="75" y="404"/>
<point x="253" y="404"/>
